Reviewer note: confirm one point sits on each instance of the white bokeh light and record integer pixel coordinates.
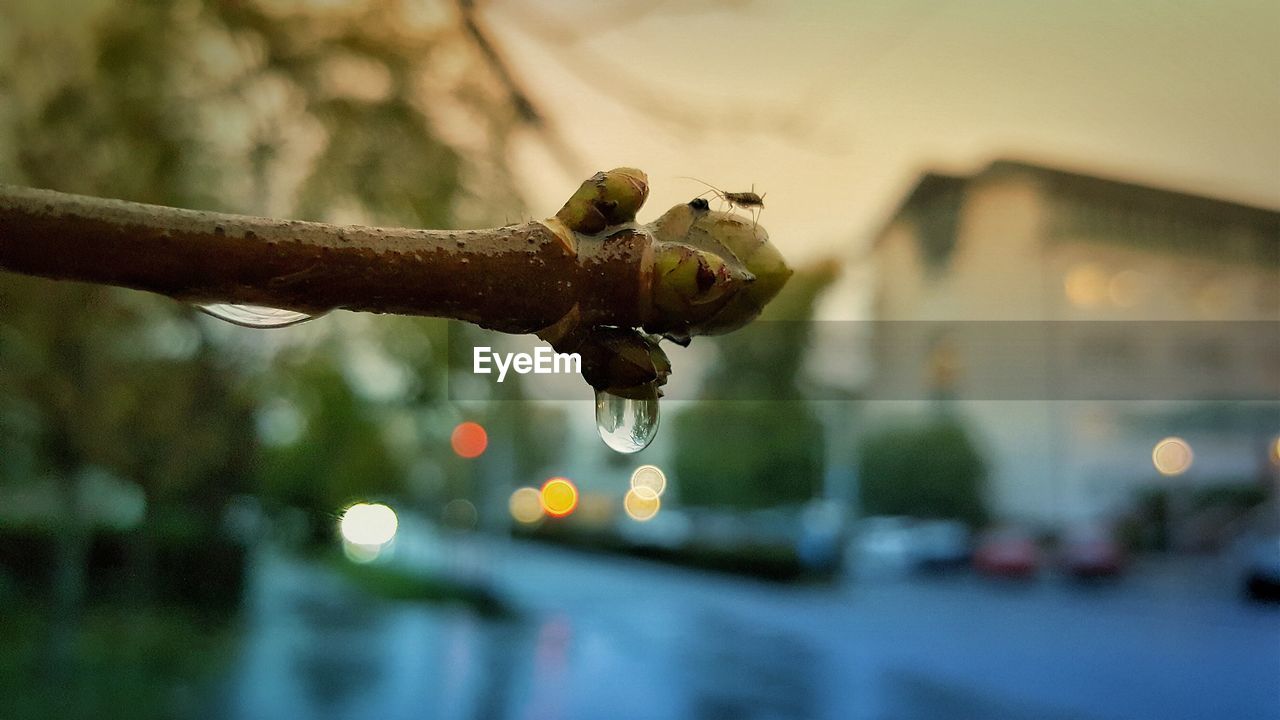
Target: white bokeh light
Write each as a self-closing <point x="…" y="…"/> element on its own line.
<point x="369" y="524"/>
<point x="651" y="477"/>
<point x="1172" y="456"/>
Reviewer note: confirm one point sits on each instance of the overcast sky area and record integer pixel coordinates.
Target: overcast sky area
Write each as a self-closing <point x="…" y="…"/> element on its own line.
<point x="1182" y="95"/>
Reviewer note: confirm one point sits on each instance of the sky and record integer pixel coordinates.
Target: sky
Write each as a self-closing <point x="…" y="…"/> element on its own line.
<point x="1181" y="95"/>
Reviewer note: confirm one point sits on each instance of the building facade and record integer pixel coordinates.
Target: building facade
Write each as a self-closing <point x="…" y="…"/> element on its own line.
<point x="1075" y="322"/>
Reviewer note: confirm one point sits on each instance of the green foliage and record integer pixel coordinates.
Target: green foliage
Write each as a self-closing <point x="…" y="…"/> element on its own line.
<point x="138" y="663"/>
<point x="769" y="450"/>
<point x="114" y="123"/>
<point x="367" y="162"/>
<point x="340" y="456"/>
<point x="757" y="454"/>
<point x="929" y="469"/>
<point x="81" y="369"/>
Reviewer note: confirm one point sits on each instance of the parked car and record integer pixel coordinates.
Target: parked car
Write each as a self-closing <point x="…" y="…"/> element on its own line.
<point x="940" y="545"/>
<point x="1009" y="552"/>
<point x="1091" y="552"/>
<point x="880" y="547"/>
<point x="1261" y="560"/>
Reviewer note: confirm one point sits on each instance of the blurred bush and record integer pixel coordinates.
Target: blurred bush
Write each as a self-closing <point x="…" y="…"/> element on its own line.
<point x="927" y="469"/>
<point x="764" y="454"/>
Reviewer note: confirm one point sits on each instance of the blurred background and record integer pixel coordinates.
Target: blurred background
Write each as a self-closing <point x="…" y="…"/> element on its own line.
<point x="954" y="472"/>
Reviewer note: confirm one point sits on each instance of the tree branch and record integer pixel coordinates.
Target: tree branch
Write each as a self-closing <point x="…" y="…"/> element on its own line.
<point x="583" y="280"/>
<point x="515" y="279"/>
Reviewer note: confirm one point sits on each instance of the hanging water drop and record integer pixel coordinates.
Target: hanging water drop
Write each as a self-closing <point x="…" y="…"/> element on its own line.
<point x="627" y="425"/>
<point x="255" y="316"/>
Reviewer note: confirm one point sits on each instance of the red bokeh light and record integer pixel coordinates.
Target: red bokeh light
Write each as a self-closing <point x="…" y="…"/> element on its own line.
<point x="469" y="439"/>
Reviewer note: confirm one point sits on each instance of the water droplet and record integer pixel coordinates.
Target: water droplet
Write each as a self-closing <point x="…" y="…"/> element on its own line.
<point x="255" y="316"/>
<point x="627" y="425"/>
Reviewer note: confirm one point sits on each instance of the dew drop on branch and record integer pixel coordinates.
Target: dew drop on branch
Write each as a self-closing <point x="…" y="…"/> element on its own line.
<point x="627" y="425"/>
<point x="255" y="316"/>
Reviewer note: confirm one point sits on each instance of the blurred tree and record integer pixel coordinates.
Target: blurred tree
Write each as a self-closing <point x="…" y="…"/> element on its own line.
<point x="377" y="111"/>
<point x="79" y="390"/>
<point x="929" y="469"/>
<point x="338" y="453"/>
<point x="766" y="454"/>
<point x="768" y="445"/>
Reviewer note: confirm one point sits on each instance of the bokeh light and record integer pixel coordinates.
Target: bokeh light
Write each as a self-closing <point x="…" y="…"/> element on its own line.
<point x="641" y="503"/>
<point x="469" y="439"/>
<point x="1086" y="285"/>
<point x="1275" y="451"/>
<point x="361" y="553"/>
<point x="1172" y="456"/>
<point x="525" y="505"/>
<point x="559" y="497"/>
<point x="1125" y="288"/>
<point x="369" y="524"/>
<point x="460" y="514"/>
<point x="651" y="477"/>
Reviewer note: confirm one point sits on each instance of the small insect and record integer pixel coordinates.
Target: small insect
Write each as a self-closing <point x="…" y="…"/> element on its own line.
<point x="749" y="201"/>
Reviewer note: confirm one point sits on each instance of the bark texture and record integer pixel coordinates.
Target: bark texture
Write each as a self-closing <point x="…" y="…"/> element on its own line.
<point x="517" y="279"/>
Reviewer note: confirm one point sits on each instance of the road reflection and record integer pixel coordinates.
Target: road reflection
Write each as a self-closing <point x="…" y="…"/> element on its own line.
<point x="750" y="672"/>
<point x="314" y="647"/>
<point x="600" y="636"/>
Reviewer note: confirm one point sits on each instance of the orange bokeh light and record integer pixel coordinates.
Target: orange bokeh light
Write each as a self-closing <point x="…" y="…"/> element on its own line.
<point x="559" y="497"/>
<point x="469" y="439"/>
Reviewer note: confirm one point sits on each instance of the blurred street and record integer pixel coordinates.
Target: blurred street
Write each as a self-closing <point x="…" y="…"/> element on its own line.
<point x="977" y="419"/>
<point x="602" y="636"/>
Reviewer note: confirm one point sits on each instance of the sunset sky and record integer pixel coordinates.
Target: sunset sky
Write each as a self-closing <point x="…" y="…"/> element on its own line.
<point x="1183" y="95"/>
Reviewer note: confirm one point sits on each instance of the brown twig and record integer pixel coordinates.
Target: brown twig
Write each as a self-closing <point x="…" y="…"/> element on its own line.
<point x="589" y="280"/>
<point x="519" y="278"/>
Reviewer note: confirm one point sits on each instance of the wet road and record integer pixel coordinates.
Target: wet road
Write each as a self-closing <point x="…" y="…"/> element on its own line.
<point x="607" y="637"/>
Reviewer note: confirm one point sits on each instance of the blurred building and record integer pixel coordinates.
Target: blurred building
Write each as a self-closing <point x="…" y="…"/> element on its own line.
<point x="1079" y="320"/>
